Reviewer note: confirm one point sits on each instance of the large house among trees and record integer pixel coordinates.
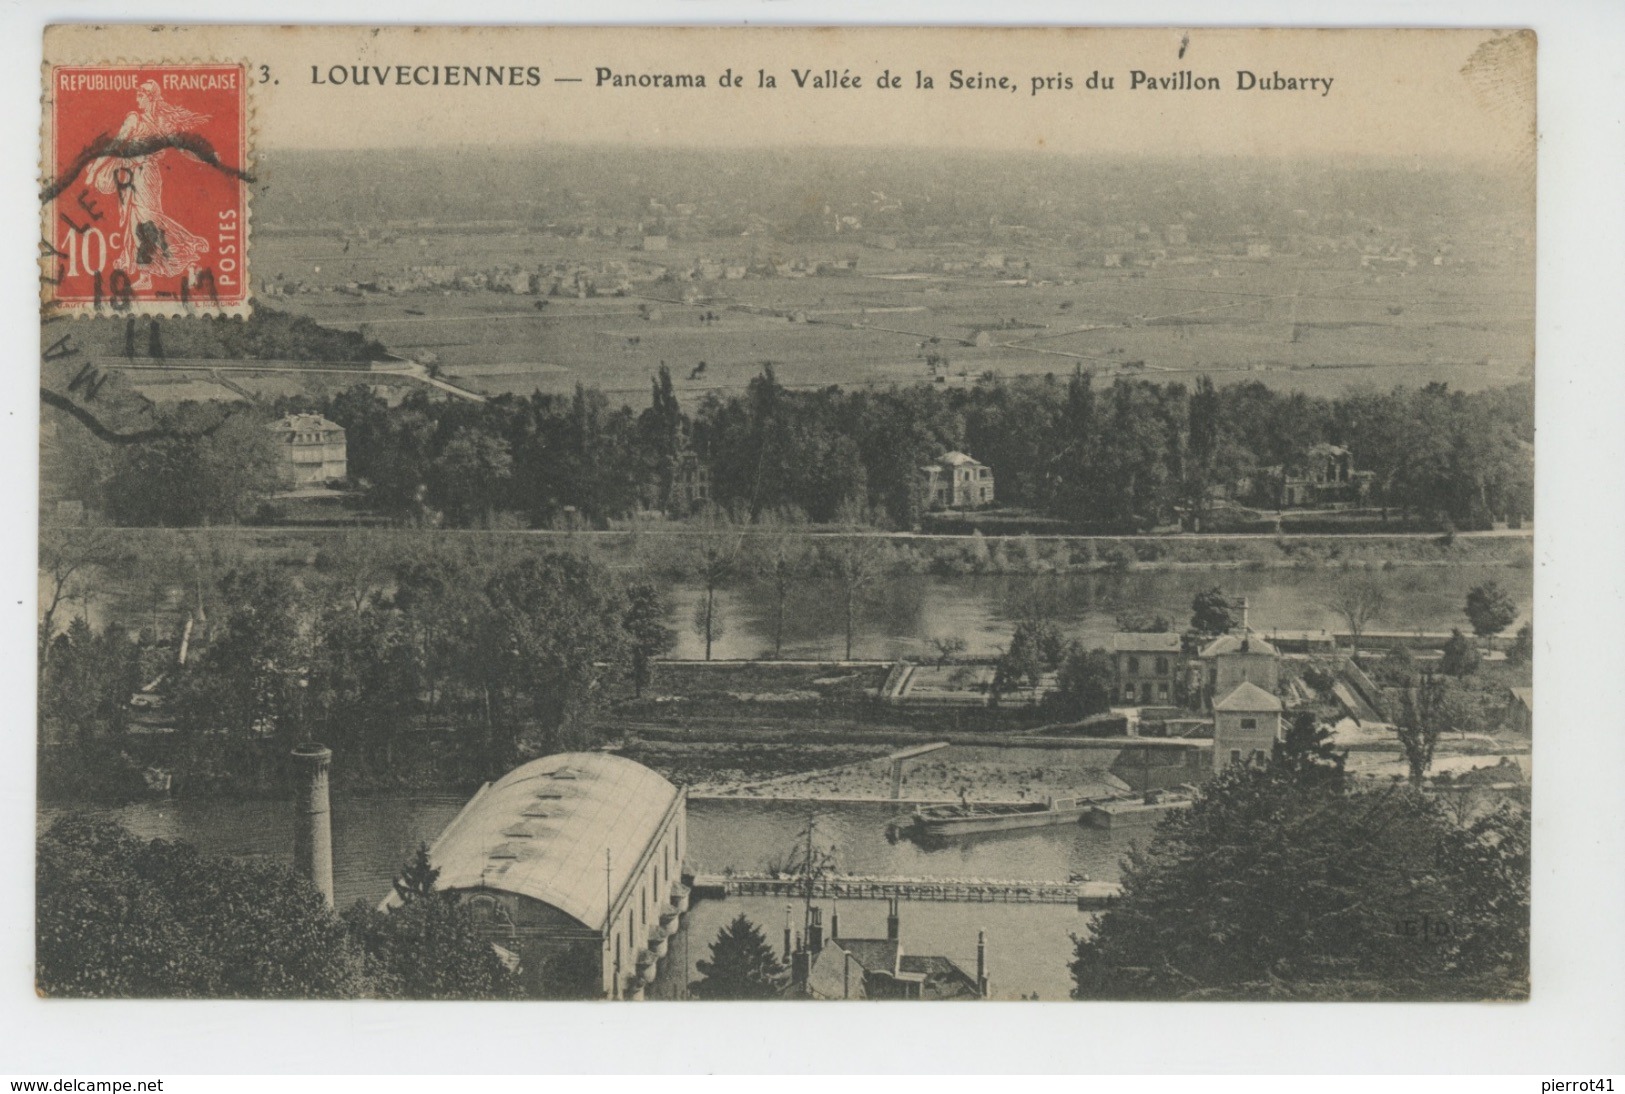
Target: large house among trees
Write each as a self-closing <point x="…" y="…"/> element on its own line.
<point x="312" y="449"/>
<point x="1326" y="478"/>
<point x="956" y="481"/>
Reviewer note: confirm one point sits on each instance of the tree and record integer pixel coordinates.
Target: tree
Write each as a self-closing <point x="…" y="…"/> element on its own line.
<point x="251" y="683"/>
<point x="554" y="633"/>
<point x="1202" y="451"/>
<point x="1274" y="885"/>
<point x="1035" y="648"/>
<point x="1359" y="600"/>
<point x="782" y="557"/>
<point x="661" y="428"/>
<point x="417" y="878"/>
<point x="948" y="646"/>
<point x="647" y="633"/>
<point x="742" y="965"/>
<point x="1136" y="621"/>
<point x="84" y="709"/>
<point x="1461" y="656"/>
<point x="121" y="918"/>
<point x="1522" y="650"/>
<point x="714" y="559"/>
<point x="1213" y="613"/>
<point x="363" y="679"/>
<point x="67" y="558"/>
<point x="469" y="480"/>
<point x="1135" y="459"/>
<point x="856" y="560"/>
<point x="428" y="944"/>
<point x="1396" y="669"/>
<point x="358" y="567"/>
<point x="1083" y="684"/>
<point x="1490" y="609"/>
<point x="202" y="467"/>
<point x="1421" y="721"/>
<point x="1306" y="749"/>
<point x="710" y="621"/>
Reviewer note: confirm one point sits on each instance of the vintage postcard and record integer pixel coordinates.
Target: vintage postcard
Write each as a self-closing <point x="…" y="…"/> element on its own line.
<point x="839" y="514"/>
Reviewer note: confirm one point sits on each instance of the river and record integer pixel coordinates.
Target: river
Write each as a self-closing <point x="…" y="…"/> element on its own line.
<point x="899" y="616"/>
<point x="1029" y="944"/>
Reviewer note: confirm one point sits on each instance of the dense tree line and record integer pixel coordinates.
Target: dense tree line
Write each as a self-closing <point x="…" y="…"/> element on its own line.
<point x="1287" y="881"/>
<point x="511" y="650"/>
<point x="266" y="334"/>
<point x="119" y="917"/>
<point x="1127" y="456"/>
<point x="203" y="464"/>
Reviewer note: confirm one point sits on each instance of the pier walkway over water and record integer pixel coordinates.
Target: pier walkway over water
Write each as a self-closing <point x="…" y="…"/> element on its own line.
<point x="1084" y="894"/>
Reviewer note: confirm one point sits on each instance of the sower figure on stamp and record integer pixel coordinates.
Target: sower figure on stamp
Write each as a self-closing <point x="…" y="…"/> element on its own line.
<point x="150" y="242"/>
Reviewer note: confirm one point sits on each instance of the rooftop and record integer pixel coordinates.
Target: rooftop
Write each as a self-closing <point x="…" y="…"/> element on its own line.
<point x="542" y="831"/>
<point x="1235" y="643"/>
<point x="302" y="423"/>
<point x="936" y="977"/>
<point x="1248" y="697"/>
<point x="874" y="954"/>
<point x="1146" y="642"/>
<point x="942" y="978"/>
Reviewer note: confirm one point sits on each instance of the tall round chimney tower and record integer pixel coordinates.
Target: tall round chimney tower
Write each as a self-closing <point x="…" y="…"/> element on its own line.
<point x="312" y="824"/>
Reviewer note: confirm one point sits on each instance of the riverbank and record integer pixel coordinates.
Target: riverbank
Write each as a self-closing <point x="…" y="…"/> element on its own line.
<point x="928" y="780"/>
<point x="665" y="549"/>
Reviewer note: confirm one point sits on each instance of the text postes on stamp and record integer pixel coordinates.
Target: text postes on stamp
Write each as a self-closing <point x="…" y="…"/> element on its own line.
<point x="145" y="200"/>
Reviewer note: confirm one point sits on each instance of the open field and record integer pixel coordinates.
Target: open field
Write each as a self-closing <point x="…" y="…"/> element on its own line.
<point x="1313" y="323"/>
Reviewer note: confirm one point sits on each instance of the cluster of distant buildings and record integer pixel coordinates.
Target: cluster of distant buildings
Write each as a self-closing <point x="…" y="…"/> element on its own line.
<point x="1233" y="680"/>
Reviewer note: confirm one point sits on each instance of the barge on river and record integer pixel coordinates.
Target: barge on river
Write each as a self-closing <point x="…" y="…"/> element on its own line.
<point x="971" y="817"/>
<point x="1140" y="812"/>
<point x="1110" y="811"/>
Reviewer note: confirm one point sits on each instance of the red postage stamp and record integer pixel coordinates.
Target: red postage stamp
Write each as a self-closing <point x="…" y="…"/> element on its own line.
<point x="145" y="199"/>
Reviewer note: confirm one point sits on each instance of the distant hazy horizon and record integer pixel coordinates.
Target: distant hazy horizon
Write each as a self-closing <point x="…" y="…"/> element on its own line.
<point x="901" y="188"/>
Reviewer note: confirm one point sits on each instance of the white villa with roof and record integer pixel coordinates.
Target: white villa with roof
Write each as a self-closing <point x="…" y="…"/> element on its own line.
<point x="956" y="481"/>
<point x="313" y="449"/>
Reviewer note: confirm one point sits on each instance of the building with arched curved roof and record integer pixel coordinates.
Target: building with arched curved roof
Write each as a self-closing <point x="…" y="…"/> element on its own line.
<point x="574" y="863"/>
